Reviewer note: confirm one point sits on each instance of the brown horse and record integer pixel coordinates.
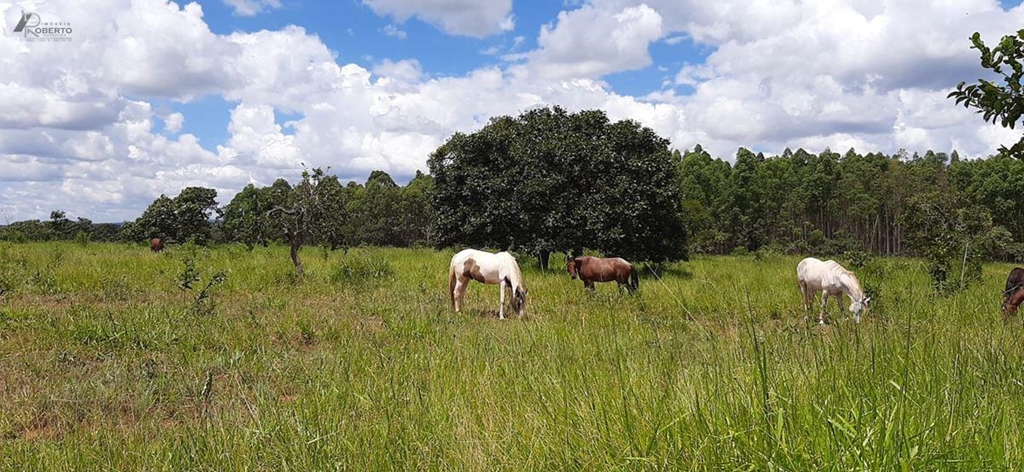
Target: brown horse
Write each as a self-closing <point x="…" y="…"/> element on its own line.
<point x="1014" y="283"/>
<point x="595" y="269"/>
<point x="1012" y="302"/>
<point x="156" y="245"/>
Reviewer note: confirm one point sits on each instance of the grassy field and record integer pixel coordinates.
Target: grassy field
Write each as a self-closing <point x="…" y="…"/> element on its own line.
<point x="106" y="362"/>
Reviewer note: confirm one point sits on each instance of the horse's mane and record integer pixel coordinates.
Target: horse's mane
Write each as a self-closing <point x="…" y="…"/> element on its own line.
<point x="512" y="267"/>
<point x="1016" y="297"/>
<point x="849" y="279"/>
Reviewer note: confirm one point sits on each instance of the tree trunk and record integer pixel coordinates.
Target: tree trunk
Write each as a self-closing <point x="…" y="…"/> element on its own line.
<point x="542" y="258"/>
<point x="296" y="245"/>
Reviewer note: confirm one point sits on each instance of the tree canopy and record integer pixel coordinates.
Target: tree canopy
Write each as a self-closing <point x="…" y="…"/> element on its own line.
<point x="549" y="180"/>
<point x="187" y="216"/>
<point x="1003" y="104"/>
<point x="245" y="219"/>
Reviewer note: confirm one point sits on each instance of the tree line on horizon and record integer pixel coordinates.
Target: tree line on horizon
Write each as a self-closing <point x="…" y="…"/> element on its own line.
<point x="796" y="202"/>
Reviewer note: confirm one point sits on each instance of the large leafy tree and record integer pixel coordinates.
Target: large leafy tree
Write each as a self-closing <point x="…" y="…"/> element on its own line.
<point x="476" y="179"/>
<point x="184" y="217"/>
<point x="60" y="226"/>
<point x="549" y="180"/>
<point x="643" y="218"/>
<point x="194" y="210"/>
<point x="998" y="103"/>
<point x="375" y="211"/>
<point x="244" y="218"/>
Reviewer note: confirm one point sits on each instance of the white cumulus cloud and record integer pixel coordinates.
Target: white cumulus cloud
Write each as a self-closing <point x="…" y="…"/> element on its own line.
<point x="79" y="130"/>
<point x="590" y="42"/>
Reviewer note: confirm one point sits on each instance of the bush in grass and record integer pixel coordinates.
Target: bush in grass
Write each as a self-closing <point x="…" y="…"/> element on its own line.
<point x="82" y="238"/>
<point x="356" y="268"/>
<point x="204" y="303"/>
<point x="740" y="251"/>
<point x="769" y="252"/>
<point x="11" y="270"/>
<point x="856" y="259"/>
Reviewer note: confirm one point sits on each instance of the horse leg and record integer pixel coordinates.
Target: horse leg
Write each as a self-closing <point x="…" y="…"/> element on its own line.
<point x="824" y="305"/>
<point x="459" y="292"/>
<point x="501" y="307"/>
<point x="805" y="297"/>
<point x="623" y="281"/>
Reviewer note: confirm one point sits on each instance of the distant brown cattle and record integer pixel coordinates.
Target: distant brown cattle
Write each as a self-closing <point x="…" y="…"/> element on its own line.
<point x="156" y="245"/>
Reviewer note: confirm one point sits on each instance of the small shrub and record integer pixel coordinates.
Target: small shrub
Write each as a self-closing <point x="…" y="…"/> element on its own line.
<point x="204" y="304"/>
<point x="740" y="251"/>
<point x="857" y="259"/>
<point x="82" y="238"/>
<point x="357" y="268"/>
<point x="189" y="274"/>
<point x="768" y="253"/>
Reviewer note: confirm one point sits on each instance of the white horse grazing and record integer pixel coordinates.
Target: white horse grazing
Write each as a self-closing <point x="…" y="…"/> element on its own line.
<point x="487" y="268"/>
<point x="830" y="278"/>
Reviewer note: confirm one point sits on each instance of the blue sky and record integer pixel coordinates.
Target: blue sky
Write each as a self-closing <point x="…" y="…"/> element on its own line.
<point x="150" y="96"/>
<point x="357" y="35"/>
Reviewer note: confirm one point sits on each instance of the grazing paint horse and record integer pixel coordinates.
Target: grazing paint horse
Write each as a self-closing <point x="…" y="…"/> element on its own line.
<point x="829" y="278"/>
<point x="595" y="269"/>
<point x="156" y="245"/>
<point x="1014" y="283"/>
<point x="487" y="268"/>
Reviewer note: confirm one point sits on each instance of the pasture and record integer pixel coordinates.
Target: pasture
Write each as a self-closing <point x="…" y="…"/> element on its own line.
<point x="106" y="362"/>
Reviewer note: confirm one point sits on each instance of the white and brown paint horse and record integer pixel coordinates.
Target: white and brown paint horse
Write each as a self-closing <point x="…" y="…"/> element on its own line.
<point x="595" y="269"/>
<point x="487" y="268"/>
<point x="830" y="278"/>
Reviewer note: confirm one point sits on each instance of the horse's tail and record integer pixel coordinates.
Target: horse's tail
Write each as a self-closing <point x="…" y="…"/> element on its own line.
<point x="634" y="278"/>
<point x="451" y="284"/>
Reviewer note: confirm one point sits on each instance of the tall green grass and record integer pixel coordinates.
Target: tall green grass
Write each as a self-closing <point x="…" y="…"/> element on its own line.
<point x="105" y="364"/>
